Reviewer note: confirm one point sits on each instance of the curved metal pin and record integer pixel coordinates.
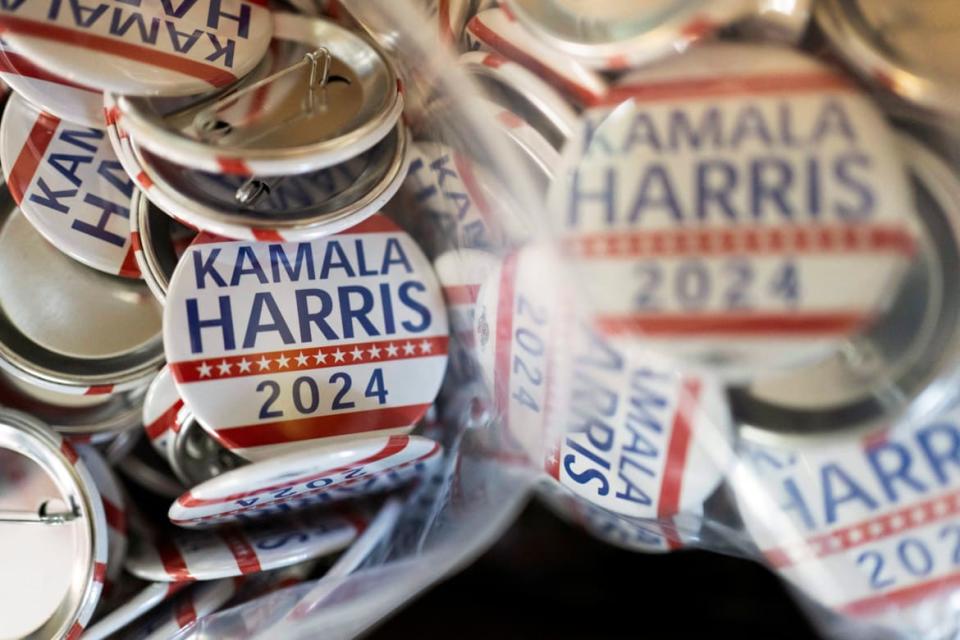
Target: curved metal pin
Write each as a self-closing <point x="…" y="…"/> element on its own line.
<point x="212" y="128"/>
<point x="41" y="516"/>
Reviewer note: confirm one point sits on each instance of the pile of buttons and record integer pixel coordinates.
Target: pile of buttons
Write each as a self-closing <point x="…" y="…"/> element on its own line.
<point x="231" y="235"/>
<point x="742" y="334"/>
<point x="202" y="294"/>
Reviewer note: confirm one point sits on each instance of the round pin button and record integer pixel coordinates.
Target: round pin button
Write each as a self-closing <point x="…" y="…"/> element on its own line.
<point x="114" y="510"/>
<point x="334" y="96"/>
<point x="496" y="29"/>
<point x="907" y="360"/>
<point x="579" y="405"/>
<point x="208" y="555"/>
<point x="57" y="96"/>
<point x="55" y="530"/>
<point x="161" y="407"/>
<point x="863" y="523"/>
<point x="908" y="48"/>
<point x="524" y="93"/>
<point x="93" y="418"/>
<point x="141" y="603"/>
<point x="296" y="207"/>
<point x="158" y="242"/>
<point x="144" y="48"/>
<point x="70" y="186"/>
<point x="329" y="339"/>
<point x="750" y="196"/>
<point x="68" y="328"/>
<point x="612" y="35"/>
<point x="452" y="202"/>
<point x="314" y="475"/>
<point x="191" y="605"/>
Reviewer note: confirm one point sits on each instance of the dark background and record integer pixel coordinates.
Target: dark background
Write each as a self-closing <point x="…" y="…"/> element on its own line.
<point x="546" y="579"/>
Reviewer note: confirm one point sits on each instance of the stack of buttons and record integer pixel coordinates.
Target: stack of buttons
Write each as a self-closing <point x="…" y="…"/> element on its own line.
<point x="196" y="254"/>
<point x="762" y="250"/>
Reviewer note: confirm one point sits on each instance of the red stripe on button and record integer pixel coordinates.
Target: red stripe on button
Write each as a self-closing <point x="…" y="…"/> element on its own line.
<point x="242" y="551"/>
<point x="329" y="426"/>
<point x="144" y="180"/>
<point x="176" y="587"/>
<point x="25" y="167"/>
<point x="374" y="224"/>
<point x="12" y="62"/>
<point x="461" y="294"/>
<point x="135" y="241"/>
<point x="208" y="73"/>
<point x="74" y="632"/>
<point x="67" y="449"/>
<point x="393" y="446"/>
<point x="677" y="449"/>
<point x="99" y="390"/>
<point x="173" y="562"/>
<point x="129" y="268"/>
<point x="99" y="572"/>
<point x="116" y="517"/>
<point x="739" y="324"/>
<point x="267" y="235"/>
<point x="164" y="422"/>
<point x="185" y="612"/>
<point x="234" y="166"/>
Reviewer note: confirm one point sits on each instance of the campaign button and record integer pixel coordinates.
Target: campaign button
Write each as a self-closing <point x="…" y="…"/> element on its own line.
<point x="324" y="95"/>
<point x="57" y="96"/>
<point x="273" y="345"/>
<point x="495" y="28"/>
<point x="208" y="555"/>
<point x="748" y="196"/>
<point x="618" y="426"/>
<point x="103" y="338"/>
<point x="114" y="508"/>
<point x="906" y="359"/>
<point x="524" y="92"/>
<point x="150" y="48"/>
<point x="137" y="606"/>
<point x="190" y="605"/>
<point x="867" y="524"/>
<point x="615" y="36"/>
<point x="313" y="475"/>
<point x="455" y="203"/>
<point x="70" y="186"/>
<point x="160" y="408"/>
<point x="56" y="540"/>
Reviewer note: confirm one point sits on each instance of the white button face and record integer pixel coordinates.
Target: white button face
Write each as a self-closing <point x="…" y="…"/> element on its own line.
<point x="867" y="525"/>
<point x="70" y="186"/>
<point x="307" y="477"/>
<point x="742" y="207"/>
<point x="274" y="345"/>
<point x="142" y="48"/>
<point x="207" y="555"/>
<point x="160" y="408"/>
<point x="619" y="427"/>
<point x="55" y="95"/>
